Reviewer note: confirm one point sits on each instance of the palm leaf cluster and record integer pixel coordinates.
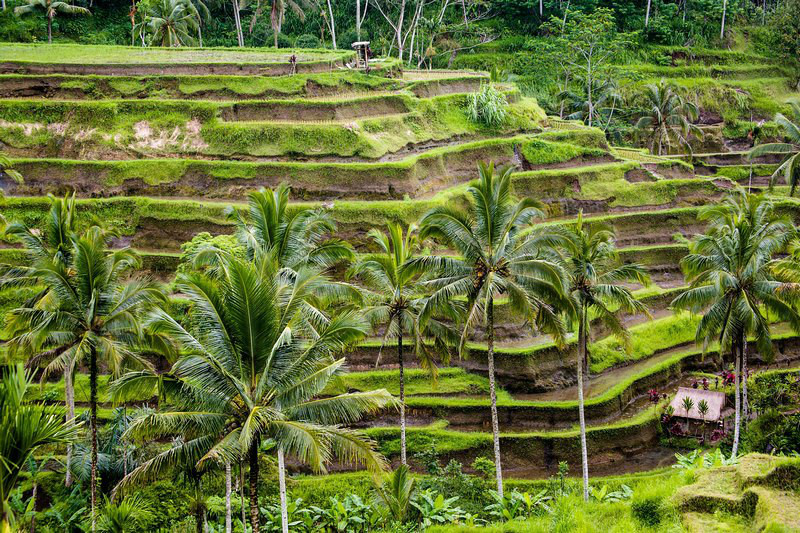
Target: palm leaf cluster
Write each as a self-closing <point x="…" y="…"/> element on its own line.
<point x="172" y="23"/>
<point x="789" y="168"/>
<point x="50" y="8"/>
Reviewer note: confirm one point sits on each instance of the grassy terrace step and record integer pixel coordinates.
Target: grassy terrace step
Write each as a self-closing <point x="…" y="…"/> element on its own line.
<point x="526" y="451"/>
<point x="131" y="129"/>
<point x="341" y="85"/>
<point x="726" y="71"/>
<point x="94" y="59"/>
<point x="412" y="176"/>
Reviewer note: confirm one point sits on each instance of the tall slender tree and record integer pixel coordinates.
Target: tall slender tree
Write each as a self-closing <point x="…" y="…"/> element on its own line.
<point x="499" y="253"/>
<point x="89" y="315"/>
<point x="395" y="300"/>
<point x="732" y="280"/>
<point x="594" y="276"/>
<point x="259" y="351"/>
<point x="667" y="119"/>
<point x="54" y="243"/>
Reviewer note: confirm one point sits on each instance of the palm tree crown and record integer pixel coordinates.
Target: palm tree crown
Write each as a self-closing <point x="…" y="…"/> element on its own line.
<point x="51" y="8"/>
<point x="667" y="118"/>
<point x="259" y="350"/>
<point x="790" y="166"/>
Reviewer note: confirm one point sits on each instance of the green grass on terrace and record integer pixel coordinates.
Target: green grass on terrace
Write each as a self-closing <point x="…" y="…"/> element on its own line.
<point x="101" y="54"/>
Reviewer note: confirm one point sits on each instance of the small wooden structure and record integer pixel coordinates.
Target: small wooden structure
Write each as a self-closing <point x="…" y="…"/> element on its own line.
<point x="362" y="54"/>
<point x="715" y="400"/>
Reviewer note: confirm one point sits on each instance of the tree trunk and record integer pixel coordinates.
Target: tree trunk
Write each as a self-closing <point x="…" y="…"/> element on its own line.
<point x="358" y="19"/>
<point x="541" y="8"/>
<point x="49" y="30"/>
<point x="282" y="489"/>
<point x="745" y="409"/>
<point x="93" y="407"/>
<point x="69" y="399"/>
<point x="33" y="499"/>
<point x="237" y="20"/>
<point x="333" y="25"/>
<point x="254" y="486"/>
<point x="402" y="389"/>
<point x="581" y="418"/>
<point x="198" y="520"/>
<point x="228" y="521"/>
<point x="493" y="395"/>
<point x="737" y="401"/>
<point x="647" y="15"/>
<point x="241" y="494"/>
<point x="399" y="30"/>
<point x="724" y="12"/>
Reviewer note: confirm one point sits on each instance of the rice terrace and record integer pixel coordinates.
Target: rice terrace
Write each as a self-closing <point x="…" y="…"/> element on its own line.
<point x="400" y="266"/>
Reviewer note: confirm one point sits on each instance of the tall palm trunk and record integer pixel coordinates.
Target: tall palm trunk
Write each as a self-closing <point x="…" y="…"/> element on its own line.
<point x="241" y="494"/>
<point x="581" y="418"/>
<point x="49" y="29"/>
<point x="333" y="25"/>
<point x="282" y="489"/>
<point x="254" y="486"/>
<point x="93" y="422"/>
<point x="228" y="524"/>
<point x="402" y="389"/>
<point x="493" y="395"/>
<point x="737" y="400"/>
<point x="237" y="19"/>
<point x="69" y="399"/>
<point x="647" y="14"/>
<point x="745" y="409"/>
<point x="33" y="506"/>
<point x="724" y="12"/>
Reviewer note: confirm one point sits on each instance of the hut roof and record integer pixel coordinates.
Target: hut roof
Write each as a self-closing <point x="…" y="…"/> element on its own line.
<point x="715" y="400"/>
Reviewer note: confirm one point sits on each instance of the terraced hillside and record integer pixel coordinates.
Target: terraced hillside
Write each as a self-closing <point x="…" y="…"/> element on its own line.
<point x="158" y="146"/>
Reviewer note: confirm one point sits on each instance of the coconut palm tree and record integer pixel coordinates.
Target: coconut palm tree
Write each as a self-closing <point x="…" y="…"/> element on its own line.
<point x="53" y="243"/>
<point x="593" y="276"/>
<point x="702" y="408"/>
<point x="733" y="282"/>
<point x="395" y="298"/>
<point x="24" y="427"/>
<point x="89" y="314"/>
<point x="790" y="166"/>
<point x="259" y="350"/>
<point x="499" y="254"/>
<point x="51" y="8"/>
<point x="667" y="118"/>
<point x="172" y="23"/>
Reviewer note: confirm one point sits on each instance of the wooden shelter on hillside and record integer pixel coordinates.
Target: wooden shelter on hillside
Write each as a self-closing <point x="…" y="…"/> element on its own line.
<point x="714" y="399"/>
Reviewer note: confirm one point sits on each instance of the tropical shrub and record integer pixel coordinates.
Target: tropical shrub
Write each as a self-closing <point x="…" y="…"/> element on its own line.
<point x="488" y="106"/>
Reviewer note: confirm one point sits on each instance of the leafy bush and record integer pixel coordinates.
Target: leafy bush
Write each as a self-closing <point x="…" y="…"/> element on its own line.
<point x="307" y="41"/>
<point x="515" y="505"/>
<point x="487" y="106"/>
<point x="648" y="510"/>
<point x="434" y="509"/>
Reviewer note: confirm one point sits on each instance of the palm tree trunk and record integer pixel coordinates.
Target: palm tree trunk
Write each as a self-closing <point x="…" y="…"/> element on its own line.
<point x="744" y="383"/>
<point x="69" y="399"/>
<point x="402" y="389"/>
<point x="93" y="422"/>
<point x="33" y="499"/>
<point x="493" y="395"/>
<point x="254" y="486"/>
<point x="49" y="30"/>
<point x="282" y="489"/>
<point x="198" y="520"/>
<point x="241" y="494"/>
<point x="647" y="15"/>
<point x="581" y="418"/>
<point x="228" y="524"/>
<point x="333" y="25"/>
<point x="724" y="12"/>
<point x="737" y="401"/>
<point x="237" y="19"/>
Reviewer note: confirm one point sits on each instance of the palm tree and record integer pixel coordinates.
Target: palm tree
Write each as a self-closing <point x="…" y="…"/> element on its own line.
<point x="259" y="350"/>
<point x="667" y="118"/>
<point x="687" y="403"/>
<point x="702" y="408"/>
<point x="126" y="516"/>
<point x="171" y="23"/>
<point x="593" y="276"/>
<point x="51" y="8"/>
<point x="498" y="254"/>
<point x="395" y="302"/>
<point x="395" y="492"/>
<point x="790" y="166"/>
<point x="24" y="427"/>
<point x="89" y="315"/>
<point x="733" y="280"/>
<point x="54" y="243"/>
